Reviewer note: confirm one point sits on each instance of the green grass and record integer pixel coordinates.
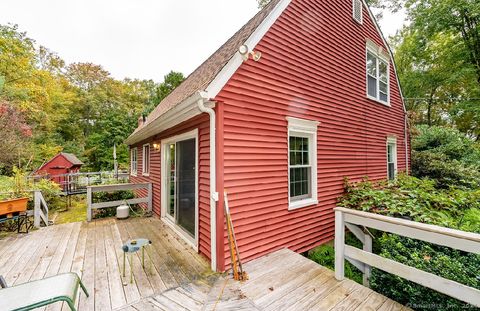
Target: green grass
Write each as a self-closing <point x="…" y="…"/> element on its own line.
<point x="77" y="212"/>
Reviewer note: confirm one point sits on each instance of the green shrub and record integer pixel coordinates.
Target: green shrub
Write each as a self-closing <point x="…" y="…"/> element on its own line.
<point x="447" y="172"/>
<point x="110" y="196"/>
<point x="423" y="201"/>
<point x="324" y="255"/>
<point x="449" y="142"/>
<point x="19" y="186"/>
<point x="415" y="199"/>
<point x="442" y="261"/>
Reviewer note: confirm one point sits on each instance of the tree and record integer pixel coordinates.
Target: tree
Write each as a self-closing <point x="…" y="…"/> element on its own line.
<point x="14" y="137"/>
<point x="162" y="90"/>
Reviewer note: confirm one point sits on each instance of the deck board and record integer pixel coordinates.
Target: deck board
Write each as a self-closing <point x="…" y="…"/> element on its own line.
<point x="179" y="278"/>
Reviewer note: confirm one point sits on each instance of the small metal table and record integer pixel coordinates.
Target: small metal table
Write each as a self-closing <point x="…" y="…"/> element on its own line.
<point x="133" y="246"/>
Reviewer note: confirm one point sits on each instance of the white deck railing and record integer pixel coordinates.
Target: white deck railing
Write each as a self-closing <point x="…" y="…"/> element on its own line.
<point x="364" y="259"/>
<point x="40" y="209"/>
<point x="114" y="188"/>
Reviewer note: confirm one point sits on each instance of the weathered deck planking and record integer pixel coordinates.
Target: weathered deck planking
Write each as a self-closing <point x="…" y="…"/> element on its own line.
<point x="179" y="278"/>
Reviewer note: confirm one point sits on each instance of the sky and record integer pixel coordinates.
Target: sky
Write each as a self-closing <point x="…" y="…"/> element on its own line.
<point x="142" y="39"/>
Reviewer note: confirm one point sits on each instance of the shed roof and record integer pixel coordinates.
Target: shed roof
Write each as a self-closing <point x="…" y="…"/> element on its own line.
<point x="199" y="79"/>
<point x="71" y="158"/>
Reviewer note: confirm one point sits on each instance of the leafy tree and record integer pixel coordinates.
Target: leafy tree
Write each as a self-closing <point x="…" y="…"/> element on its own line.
<point x="159" y="92"/>
<point x="14" y="136"/>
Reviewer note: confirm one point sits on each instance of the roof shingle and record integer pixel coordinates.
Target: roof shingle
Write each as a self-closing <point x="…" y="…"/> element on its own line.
<point x="199" y="79"/>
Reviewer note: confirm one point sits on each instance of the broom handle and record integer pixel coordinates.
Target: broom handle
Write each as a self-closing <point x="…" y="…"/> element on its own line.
<point x="233" y="232"/>
<point x="230" y="242"/>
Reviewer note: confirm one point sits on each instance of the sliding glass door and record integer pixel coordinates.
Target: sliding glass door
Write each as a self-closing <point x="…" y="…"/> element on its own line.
<point x="180" y="189"/>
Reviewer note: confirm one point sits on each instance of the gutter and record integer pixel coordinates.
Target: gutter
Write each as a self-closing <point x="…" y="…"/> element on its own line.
<point x="213" y="182"/>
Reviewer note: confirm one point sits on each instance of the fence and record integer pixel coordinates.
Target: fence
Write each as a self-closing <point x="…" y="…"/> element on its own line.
<point x="365" y="259"/>
<point x="118" y="187"/>
<point x="77" y="183"/>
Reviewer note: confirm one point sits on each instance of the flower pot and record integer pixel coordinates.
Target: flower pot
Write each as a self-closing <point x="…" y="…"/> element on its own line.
<point x="13" y="207"/>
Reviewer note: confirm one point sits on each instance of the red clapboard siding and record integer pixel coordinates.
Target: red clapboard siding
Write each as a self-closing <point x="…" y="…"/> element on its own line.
<point x="202" y="123"/>
<point x="312" y="67"/>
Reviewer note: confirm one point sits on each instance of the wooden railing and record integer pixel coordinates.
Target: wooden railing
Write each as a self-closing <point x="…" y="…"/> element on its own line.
<point x="365" y="259"/>
<point x="40" y="209"/>
<point x="114" y="188"/>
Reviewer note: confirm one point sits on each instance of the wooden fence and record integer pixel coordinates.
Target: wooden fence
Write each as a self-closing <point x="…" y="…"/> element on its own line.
<point x="365" y="259"/>
<point x="118" y="187"/>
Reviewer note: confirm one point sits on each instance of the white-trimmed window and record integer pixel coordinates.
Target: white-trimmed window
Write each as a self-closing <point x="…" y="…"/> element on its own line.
<point x="378" y="69"/>
<point x="302" y="162"/>
<point x="391" y="158"/>
<point x="358" y="11"/>
<point x="133" y="161"/>
<point x="146" y="160"/>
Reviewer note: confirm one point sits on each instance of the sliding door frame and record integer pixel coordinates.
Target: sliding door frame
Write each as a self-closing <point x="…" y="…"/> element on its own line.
<point x="193" y="242"/>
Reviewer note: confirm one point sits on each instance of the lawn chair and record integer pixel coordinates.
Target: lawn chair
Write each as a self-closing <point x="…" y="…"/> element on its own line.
<point x="31" y="295"/>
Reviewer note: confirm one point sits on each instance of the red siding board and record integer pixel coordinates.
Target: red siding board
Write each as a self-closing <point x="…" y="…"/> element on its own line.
<point x="202" y="124"/>
<point x="312" y="67"/>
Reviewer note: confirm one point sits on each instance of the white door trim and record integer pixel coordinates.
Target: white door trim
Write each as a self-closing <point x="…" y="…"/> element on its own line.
<point x="163" y="199"/>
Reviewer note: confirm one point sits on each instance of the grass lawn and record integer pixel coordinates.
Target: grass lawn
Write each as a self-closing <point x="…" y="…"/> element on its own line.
<point x="77" y="212"/>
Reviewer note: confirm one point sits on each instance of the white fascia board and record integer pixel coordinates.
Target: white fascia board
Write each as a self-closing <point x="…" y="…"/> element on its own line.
<point x="236" y="61"/>
<point x="187" y="109"/>
<point x="374" y="20"/>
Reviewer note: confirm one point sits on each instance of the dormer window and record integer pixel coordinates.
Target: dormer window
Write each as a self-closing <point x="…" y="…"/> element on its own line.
<point x="358" y="11"/>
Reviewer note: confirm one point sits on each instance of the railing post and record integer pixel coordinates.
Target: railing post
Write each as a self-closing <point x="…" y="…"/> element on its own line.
<point x="150" y="197"/>
<point x="367" y="246"/>
<point x="36" y="209"/>
<point x="89" y="203"/>
<point x="339" y="246"/>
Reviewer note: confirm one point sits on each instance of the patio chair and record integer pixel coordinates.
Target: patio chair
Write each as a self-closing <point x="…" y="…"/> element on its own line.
<point x="31" y="295"/>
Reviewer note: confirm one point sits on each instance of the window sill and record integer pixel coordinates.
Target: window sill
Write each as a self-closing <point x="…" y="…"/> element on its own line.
<point x="302" y="203"/>
<point x="378" y="101"/>
<point x="146" y="174"/>
<point x="132" y="174"/>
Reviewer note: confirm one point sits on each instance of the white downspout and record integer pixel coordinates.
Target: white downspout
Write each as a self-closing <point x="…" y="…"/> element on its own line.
<point x="213" y="184"/>
<point x="406" y="145"/>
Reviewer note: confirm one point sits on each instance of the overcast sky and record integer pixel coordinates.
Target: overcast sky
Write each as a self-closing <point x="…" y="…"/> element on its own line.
<point x="142" y="39"/>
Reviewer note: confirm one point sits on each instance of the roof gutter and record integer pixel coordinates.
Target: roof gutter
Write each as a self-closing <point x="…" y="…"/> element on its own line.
<point x="182" y="112"/>
<point x="213" y="183"/>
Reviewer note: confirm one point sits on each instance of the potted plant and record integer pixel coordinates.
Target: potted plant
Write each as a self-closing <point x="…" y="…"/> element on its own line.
<point x="16" y="201"/>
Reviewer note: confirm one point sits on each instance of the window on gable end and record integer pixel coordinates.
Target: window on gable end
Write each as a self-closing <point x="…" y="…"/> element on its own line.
<point x="378" y="68"/>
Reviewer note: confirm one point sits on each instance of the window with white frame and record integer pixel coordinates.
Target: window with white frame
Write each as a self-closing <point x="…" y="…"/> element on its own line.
<point x="358" y="11"/>
<point x="133" y="161"/>
<point x="378" y="67"/>
<point x="302" y="162"/>
<point x="146" y="159"/>
<point x="391" y="158"/>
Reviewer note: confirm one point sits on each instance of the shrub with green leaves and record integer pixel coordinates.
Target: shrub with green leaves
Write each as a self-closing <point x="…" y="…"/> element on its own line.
<point x="420" y="200"/>
<point x="449" y="142"/>
<point x="446" y="172"/>
<point x="442" y="261"/>
<point x="416" y="199"/>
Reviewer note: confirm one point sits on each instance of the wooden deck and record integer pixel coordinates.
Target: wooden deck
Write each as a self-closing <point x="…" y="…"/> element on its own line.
<point x="179" y="279"/>
<point x="283" y="280"/>
<point x="93" y="250"/>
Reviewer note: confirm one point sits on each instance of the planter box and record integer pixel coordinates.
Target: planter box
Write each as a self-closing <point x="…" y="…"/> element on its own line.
<point x="11" y="208"/>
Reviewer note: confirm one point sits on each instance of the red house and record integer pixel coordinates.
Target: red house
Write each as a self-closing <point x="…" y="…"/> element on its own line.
<point x="61" y="164"/>
<point x="278" y="133"/>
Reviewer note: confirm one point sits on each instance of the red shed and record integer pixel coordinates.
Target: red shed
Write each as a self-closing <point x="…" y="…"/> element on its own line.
<point x="278" y="132"/>
<point x="61" y="164"/>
